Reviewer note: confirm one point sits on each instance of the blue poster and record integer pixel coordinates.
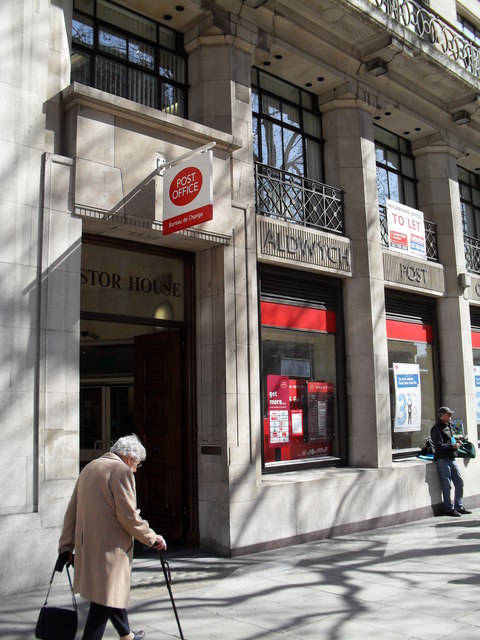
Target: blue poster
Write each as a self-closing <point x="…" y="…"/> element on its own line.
<point x="476" y="374"/>
<point x="408" y="397"/>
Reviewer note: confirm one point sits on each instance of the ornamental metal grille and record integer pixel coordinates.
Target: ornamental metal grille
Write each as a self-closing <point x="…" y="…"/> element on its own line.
<point x="431" y="248"/>
<point x="472" y="253"/>
<point x="431" y="27"/>
<point x="292" y="198"/>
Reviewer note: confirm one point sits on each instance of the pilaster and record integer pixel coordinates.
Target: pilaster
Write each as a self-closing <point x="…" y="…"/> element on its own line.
<point x="439" y="199"/>
<point x="350" y="158"/>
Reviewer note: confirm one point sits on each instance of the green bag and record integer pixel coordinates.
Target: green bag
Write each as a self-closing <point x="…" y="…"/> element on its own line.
<point x="466" y="450"/>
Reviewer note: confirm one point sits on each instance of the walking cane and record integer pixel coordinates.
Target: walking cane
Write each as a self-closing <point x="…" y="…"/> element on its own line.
<point x="168" y="580"/>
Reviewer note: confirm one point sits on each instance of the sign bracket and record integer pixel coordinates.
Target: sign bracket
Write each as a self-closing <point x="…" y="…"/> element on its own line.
<point x="162" y="165"/>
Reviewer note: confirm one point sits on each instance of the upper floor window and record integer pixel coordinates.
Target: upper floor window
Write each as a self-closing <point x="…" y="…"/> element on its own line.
<point x="287" y="128"/>
<point x="128" y="55"/>
<point x="469" y="184"/>
<point x="395" y="169"/>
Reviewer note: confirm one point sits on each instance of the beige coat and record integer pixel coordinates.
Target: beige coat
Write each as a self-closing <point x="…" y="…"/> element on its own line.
<point x="100" y="522"/>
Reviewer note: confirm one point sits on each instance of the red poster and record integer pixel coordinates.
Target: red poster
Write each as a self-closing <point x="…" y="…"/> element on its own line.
<point x="278" y="410"/>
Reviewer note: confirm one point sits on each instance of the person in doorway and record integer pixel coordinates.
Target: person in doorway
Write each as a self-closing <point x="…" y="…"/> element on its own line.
<point x="445" y="448"/>
<point x="99" y="526"/>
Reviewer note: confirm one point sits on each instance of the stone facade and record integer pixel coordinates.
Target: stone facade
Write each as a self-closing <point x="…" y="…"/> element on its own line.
<point x="78" y="161"/>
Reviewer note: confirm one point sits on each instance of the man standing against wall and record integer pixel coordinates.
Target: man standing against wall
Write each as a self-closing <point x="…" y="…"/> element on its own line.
<point x="445" y="449"/>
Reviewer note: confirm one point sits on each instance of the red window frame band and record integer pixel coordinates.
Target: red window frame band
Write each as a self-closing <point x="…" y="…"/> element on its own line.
<point x="476" y="339"/>
<point x="289" y="316"/>
<point x="412" y="331"/>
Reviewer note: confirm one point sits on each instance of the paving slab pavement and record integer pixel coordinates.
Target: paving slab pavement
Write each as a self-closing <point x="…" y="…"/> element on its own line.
<point x="414" y="581"/>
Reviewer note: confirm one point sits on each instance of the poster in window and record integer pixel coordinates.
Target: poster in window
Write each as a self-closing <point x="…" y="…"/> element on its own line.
<point x="278" y="407"/>
<point x="297" y="422"/>
<point x="320" y="410"/>
<point x="476" y="373"/>
<point x="408" y="397"/>
<point x="297" y="388"/>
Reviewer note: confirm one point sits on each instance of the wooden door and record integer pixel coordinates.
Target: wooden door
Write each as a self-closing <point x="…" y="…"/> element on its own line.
<point x="158" y="419"/>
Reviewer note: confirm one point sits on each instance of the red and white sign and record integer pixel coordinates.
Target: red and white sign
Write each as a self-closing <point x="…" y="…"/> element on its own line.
<point x="406" y="229"/>
<point x="188" y="193"/>
<point x="278" y="410"/>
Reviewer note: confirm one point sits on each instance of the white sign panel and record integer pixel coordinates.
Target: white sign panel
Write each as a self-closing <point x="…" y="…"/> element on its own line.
<point x="406" y="230"/>
<point x="408" y="397"/>
<point x="476" y="373"/>
<point x="188" y="193"/>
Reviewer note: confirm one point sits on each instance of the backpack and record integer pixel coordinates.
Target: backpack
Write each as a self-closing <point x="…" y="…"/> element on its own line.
<point x="428" y="450"/>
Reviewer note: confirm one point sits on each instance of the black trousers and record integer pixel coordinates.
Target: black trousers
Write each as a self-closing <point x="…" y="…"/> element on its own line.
<point x="99" y="615"/>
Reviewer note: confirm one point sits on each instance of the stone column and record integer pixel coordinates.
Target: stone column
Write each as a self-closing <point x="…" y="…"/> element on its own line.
<point x="350" y="164"/>
<point x="220" y="58"/>
<point x="439" y="199"/>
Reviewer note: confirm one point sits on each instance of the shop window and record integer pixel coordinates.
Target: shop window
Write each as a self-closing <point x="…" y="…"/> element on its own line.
<point x="128" y="55"/>
<point x="300" y="376"/>
<point x="475" y="325"/>
<point x="413" y="386"/>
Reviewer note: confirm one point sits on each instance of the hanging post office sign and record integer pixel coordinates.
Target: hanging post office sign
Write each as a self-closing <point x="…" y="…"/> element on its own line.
<point x="188" y="193"/>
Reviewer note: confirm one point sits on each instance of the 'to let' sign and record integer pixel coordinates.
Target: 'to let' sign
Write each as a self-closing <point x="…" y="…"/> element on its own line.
<point x="186" y="186"/>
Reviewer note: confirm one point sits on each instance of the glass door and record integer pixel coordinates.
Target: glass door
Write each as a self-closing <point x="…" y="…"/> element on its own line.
<point x="106" y="414"/>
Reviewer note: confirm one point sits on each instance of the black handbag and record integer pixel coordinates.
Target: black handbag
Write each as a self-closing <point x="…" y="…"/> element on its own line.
<point x="428" y="451"/>
<point x="57" y="623"/>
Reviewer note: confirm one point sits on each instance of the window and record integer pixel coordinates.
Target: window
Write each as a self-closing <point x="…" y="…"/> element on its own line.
<point x="302" y="395"/>
<point x="123" y="53"/>
<point x="287" y="128"/>
<point x="468" y="29"/>
<point x="469" y="184"/>
<point x="395" y="169"/>
<point x="410" y="341"/>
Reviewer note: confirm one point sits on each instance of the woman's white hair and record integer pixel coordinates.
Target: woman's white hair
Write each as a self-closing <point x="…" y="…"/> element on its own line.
<point x="130" y="447"/>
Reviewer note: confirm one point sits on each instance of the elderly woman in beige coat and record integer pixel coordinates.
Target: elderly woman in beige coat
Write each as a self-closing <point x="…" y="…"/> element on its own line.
<point x="100" y="523"/>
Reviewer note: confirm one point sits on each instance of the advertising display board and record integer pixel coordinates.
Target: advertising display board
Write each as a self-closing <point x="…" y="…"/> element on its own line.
<point x="278" y="410"/>
<point x="408" y="398"/>
<point x="476" y="373"/>
<point x="320" y="410"/>
<point x="299" y="422"/>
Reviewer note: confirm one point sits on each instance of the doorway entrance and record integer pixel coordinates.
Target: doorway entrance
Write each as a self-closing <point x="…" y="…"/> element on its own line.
<point x="159" y="422"/>
<point x="137" y="387"/>
<point x="137" y="372"/>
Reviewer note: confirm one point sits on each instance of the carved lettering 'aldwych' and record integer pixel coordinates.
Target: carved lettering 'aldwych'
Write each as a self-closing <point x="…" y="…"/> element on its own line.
<point x="306" y="248"/>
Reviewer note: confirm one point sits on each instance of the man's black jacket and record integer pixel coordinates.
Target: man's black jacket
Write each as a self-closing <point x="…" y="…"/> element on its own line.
<point x="441" y="435"/>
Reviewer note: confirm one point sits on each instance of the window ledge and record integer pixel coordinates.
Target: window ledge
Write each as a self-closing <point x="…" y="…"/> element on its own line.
<point x="80" y="94"/>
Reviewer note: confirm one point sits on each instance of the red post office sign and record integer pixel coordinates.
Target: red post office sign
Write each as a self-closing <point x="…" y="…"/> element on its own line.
<point x="188" y="193"/>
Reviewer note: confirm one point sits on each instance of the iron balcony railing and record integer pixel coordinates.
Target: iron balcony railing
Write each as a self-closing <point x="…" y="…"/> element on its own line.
<point x="431" y="27"/>
<point x="472" y="253"/>
<point x="431" y="248"/>
<point x="292" y="198"/>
